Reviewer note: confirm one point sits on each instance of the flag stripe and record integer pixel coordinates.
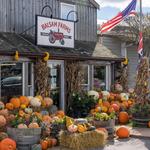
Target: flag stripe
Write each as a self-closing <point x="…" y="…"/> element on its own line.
<point x="140" y="47"/>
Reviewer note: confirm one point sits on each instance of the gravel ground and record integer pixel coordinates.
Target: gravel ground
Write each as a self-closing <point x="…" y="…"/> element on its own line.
<point x="124" y="144"/>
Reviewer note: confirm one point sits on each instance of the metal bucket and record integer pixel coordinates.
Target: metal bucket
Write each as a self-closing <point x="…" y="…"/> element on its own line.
<point x="25" y="138"/>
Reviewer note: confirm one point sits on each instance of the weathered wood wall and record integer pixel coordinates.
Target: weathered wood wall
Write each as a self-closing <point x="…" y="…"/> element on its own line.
<point x="18" y="15"/>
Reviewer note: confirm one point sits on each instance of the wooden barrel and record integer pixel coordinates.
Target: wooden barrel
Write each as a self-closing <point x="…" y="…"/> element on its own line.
<point x="24" y="138"/>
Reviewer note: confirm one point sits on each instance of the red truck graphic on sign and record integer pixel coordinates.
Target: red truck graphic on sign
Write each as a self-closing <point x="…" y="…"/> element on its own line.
<point x="56" y="36"/>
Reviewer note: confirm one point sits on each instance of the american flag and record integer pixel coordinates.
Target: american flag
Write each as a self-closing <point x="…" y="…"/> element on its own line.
<point x="130" y="10"/>
<point x="140" y="47"/>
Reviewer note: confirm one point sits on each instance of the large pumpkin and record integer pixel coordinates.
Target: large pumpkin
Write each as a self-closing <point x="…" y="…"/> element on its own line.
<point x="15" y="102"/>
<point x="24" y="100"/>
<point x="44" y="144"/>
<point x="48" y="101"/>
<point x="2" y="121"/>
<point x="7" y="144"/>
<point x="9" y="106"/>
<point x="123" y="132"/>
<point x="123" y="117"/>
<point x="2" y="106"/>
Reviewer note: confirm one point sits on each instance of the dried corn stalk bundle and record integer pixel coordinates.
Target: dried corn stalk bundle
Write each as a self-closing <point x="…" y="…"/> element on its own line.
<point x="42" y="78"/>
<point x="141" y="88"/>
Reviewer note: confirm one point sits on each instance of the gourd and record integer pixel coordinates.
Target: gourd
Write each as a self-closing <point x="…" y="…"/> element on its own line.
<point x="122" y="132"/>
<point x="7" y="144"/>
<point x="81" y="128"/>
<point x="123" y="117"/>
<point x="28" y="110"/>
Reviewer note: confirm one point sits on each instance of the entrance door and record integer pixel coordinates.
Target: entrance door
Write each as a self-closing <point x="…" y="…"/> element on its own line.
<point x="57" y="82"/>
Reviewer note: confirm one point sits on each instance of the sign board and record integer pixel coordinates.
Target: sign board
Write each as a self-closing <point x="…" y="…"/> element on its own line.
<point x="54" y="32"/>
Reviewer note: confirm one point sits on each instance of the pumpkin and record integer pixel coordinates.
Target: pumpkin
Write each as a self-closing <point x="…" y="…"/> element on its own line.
<point x="35" y="102"/>
<point x="33" y="125"/>
<point x="124" y="96"/>
<point x="123" y="132"/>
<point x="29" y="98"/>
<point x="4" y="112"/>
<point x="24" y="100"/>
<point x="123" y="117"/>
<point x="98" y="109"/>
<point x="28" y="110"/>
<point x="48" y="101"/>
<point x="115" y="107"/>
<point x="2" y="106"/>
<point x="15" y="102"/>
<point x="60" y="113"/>
<point x="81" y="128"/>
<point x="106" y="104"/>
<point x="21" y="113"/>
<point x="46" y="119"/>
<point x="49" y="141"/>
<point x="44" y="144"/>
<point x="3" y="135"/>
<point x="54" y="141"/>
<point x="7" y="144"/>
<point x="93" y="93"/>
<point x="43" y="103"/>
<point x="110" y="110"/>
<point x="9" y="106"/>
<point x="2" y="121"/>
<point x="72" y="128"/>
<point x="22" y="126"/>
<point x="106" y="95"/>
<point x="39" y="97"/>
<point x="104" y="109"/>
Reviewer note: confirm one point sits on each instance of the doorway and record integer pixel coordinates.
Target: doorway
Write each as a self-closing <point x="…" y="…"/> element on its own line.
<point x="57" y="82"/>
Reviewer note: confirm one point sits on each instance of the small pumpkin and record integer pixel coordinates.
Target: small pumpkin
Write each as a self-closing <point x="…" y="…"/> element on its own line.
<point x="28" y="110"/>
<point x="123" y="132"/>
<point x="47" y="119"/>
<point x="3" y="135"/>
<point x="9" y="106"/>
<point x="106" y="104"/>
<point x="60" y="113"/>
<point x="29" y="98"/>
<point x="22" y="126"/>
<point x="33" y="125"/>
<point x="7" y="144"/>
<point x="2" y="121"/>
<point x="24" y="100"/>
<point x="44" y="144"/>
<point x="48" y="101"/>
<point x="115" y="107"/>
<point x="2" y="106"/>
<point x="123" y="117"/>
<point x="15" y="102"/>
<point x="72" y="128"/>
<point x="81" y="128"/>
<point x="21" y="113"/>
<point x="35" y="102"/>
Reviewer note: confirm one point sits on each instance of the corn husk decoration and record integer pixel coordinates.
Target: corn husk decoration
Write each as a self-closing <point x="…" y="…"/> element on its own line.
<point x="16" y="56"/>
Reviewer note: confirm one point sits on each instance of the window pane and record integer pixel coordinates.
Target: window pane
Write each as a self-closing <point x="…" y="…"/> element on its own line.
<point x="85" y="74"/>
<point x="99" y="77"/>
<point x="65" y="9"/>
<point x="11" y="80"/>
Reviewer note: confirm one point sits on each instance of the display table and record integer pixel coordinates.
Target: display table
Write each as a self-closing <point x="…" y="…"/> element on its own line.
<point x="82" y="141"/>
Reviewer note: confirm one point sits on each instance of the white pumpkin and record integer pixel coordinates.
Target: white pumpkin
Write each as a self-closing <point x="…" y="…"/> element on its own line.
<point x="35" y="102"/>
<point x="28" y="110"/>
<point x="124" y="96"/>
<point x="105" y="94"/>
<point x="93" y="93"/>
<point x="72" y="128"/>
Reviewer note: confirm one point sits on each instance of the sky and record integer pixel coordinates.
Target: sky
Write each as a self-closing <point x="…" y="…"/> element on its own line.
<point x="110" y="8"/>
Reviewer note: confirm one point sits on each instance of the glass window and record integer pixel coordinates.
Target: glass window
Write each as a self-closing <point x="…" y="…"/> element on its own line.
<point x="99" y="79"/>
<point x="11" y="80"/>
<point x="65" y="9"/>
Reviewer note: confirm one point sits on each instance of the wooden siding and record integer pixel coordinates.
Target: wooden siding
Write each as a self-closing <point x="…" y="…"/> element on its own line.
<point x="133" y="61"/>
<point x="18" y="15"/>
<point x="113" y="44"/>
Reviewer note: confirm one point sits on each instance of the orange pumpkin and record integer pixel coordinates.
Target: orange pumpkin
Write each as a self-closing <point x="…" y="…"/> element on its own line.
<point x="60" y="113"/>
<point x="24" y="100"/>
<point x="122" y="132"/>
<point x="106" y="104"/>
<point x="47" y="119"/>
<point x="115" y="107"/>
<point x="2" y="121"/>
<point x="44" y="144"/>
<point x="7" y="144"/>
<point x="33" y="125"/>
<point x="110" y="110"/>
<point x="49" y="141"/>
<point x="123" y="117"/>
<point x="21" y="113"/>
<point x="15" y="102"/>
<point x="9" y="106"/>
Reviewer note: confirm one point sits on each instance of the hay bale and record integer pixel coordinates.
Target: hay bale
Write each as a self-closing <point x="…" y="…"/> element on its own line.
<point x="82" y="141"/>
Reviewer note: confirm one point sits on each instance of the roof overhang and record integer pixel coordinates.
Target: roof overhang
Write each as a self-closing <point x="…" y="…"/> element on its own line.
<point x="95" y="4"/>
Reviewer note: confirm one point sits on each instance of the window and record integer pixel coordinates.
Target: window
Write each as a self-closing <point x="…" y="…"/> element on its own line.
<point x="65" y="9"/>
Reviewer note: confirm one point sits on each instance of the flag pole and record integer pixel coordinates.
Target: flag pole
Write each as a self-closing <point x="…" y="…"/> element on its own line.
<point x="140" y="15"/>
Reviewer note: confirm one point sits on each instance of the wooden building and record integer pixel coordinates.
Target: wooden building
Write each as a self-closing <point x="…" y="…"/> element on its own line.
<point x="18" y="33"/>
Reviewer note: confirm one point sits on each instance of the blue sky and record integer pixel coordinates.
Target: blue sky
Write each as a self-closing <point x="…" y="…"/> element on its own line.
<point x="110" y="8"/>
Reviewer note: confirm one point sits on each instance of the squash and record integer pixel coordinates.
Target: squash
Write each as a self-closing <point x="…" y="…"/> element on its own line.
<point x="22" y="126"/>
<point x="35" y="102"/>
<point x="15" y="102"/>
<point x="3" y="135"/>
<point x="48" y="101"/>
<point x="123" y="117"/>
<point x="123" y="132"/>
<point x="7" y="144"/>
<point x="9" y="106"/>
<point x="33" y="125"/>
<point x="44" y="144"/>
<point x="24" y="100"/>
<point x="81" y="128"/>
<point x="2" y="121"/>
<point x="72" y="128"/>
<point x="2" y="106"/>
